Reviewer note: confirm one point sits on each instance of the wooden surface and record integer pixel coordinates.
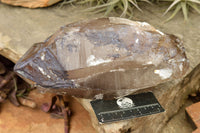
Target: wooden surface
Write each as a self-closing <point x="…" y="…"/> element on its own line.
<point x="16" y="36"/>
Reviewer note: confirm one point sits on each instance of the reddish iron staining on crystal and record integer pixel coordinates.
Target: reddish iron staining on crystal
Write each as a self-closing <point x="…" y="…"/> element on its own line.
<point x="106" y="57"/>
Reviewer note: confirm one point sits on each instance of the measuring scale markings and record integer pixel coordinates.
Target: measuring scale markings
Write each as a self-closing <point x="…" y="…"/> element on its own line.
<point x="138" y="105"/>
<point x="125" y="113"/>
<point x="128" y="109"/>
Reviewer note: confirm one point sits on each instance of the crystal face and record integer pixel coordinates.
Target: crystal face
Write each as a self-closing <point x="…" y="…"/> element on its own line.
<point x="105" y="57"/>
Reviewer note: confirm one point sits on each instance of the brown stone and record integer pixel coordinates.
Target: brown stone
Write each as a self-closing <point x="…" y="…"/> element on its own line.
<point x="194" y="113"/>
<point x="30" y="3"/>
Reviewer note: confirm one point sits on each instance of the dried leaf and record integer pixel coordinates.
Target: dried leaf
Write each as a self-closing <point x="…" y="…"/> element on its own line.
<point x="58" y="111"/>
<point x="57" y="115"/>
<point x="195" y="98"/>
<point x="12" y="96"/>
<point x="47" y="107"/>
<point x="3" y="96"/>
<point x="27" y="102"/>
<point x="66" y="113"/>
<point x="6" y="79"/>
<point x="21" y="92"/>
<point x="2" y="68"/>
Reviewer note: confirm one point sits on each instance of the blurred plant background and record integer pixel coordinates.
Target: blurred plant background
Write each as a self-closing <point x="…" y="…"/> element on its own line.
<point x="126" y="7"/>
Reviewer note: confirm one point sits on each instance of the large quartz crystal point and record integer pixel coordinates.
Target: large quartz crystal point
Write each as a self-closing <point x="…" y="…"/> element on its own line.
<point x="105" y="57"/>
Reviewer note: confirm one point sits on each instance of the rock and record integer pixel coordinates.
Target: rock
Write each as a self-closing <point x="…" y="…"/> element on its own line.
<point x="111" y="57"/>
<point x="30" y="3"/>
<point x="193" y="112"/>
<point x="171" y="96"/>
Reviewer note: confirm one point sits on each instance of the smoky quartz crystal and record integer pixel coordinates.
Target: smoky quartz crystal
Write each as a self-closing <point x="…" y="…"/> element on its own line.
<point x="105" y="57"/>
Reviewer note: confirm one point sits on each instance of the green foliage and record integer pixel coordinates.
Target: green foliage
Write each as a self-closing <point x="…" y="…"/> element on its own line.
<point x="107" y="6"/>
<point x="126" y="6"/>
<point x="111" y="5"/>
<point x="177" y="5"/>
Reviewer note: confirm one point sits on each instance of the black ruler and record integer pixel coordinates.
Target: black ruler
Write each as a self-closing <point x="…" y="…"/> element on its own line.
<point x="128" y="107"/>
